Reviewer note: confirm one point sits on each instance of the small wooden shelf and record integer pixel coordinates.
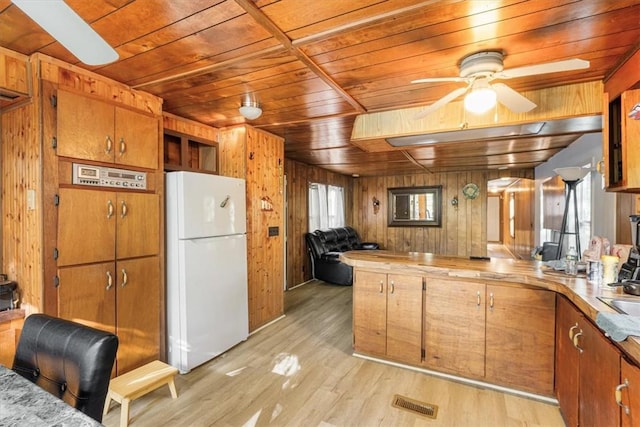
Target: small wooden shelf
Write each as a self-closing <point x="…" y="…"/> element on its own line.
<point x="186" y="152"/>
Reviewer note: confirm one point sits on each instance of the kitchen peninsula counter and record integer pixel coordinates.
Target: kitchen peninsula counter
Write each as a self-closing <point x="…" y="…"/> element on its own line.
<point x="533" y="274"/>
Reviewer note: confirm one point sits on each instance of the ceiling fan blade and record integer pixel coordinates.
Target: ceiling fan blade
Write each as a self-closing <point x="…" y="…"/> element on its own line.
<point x="64" y="24"/>
<point x="441" y="102"/>
<point x="512" y="99"/>
<point x="440" y="79"/>
<point x="544" y="68"/>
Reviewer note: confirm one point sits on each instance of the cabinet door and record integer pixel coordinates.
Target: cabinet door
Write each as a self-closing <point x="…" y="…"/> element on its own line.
<point x="85" y="128"/>
<point x="86" y="226"/>
<point x="370" y="312"/>
<point x="138" y="232"/>
<point x="630" y="139"/>
<point x="521" y="338"/>
<point x="567" y="360"/>
<point x="137" y="139"/>
<point x="138" y="312"/>
<point x="87" y="294"/>
<point x="454" y="332"/>
<point x="630" y="375"/>
<point x="404" y="318"/>
<point x="599" y="376"/>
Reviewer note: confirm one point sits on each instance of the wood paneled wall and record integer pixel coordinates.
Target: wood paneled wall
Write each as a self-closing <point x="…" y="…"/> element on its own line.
<point x="299" y="175"/>
<point x="463" y="230"/>
<point x="21" y="223"/>
<point x="258" y="157"/>
<point x="464" y="226"/>
<point x="522" y="243"/>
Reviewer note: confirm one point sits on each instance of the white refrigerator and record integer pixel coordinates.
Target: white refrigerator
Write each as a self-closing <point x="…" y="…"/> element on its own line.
<point x="207" y="301"/>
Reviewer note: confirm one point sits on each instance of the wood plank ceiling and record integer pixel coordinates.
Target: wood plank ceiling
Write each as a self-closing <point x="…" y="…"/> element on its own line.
<point x="314" y="66"/>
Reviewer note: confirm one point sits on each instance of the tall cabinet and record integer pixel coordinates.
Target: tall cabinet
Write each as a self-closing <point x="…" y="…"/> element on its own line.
<point x="258" y="157"/>
<point x="92" y="253"/>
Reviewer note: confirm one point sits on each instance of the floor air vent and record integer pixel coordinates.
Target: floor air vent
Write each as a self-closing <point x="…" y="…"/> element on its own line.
<point x="415" y="406"/>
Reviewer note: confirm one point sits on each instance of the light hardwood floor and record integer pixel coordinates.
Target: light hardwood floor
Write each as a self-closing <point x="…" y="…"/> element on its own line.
<point x="496" y="250"/>
<point x="299" y="371"/>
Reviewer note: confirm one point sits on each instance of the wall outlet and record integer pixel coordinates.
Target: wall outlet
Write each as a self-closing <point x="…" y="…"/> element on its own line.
<point x="31" y="199"/>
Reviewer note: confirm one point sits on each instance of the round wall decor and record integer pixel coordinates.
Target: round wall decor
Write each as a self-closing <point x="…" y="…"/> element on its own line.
<point x="470" y="191"/>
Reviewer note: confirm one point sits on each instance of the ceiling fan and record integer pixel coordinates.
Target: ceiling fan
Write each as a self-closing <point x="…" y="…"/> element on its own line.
<point x="479" y="69"/>
<point x="64" y="24"/>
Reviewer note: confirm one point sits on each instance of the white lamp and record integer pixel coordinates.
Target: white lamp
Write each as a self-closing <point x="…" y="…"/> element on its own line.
<point x="250" y="110"/>
<point x="572" y="173"/>
<point x="481" y="98"/>
<point x="571" y="176"/>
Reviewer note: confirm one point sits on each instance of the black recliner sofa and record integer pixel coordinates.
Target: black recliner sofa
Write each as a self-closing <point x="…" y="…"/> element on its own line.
<point x="325" y="246"/>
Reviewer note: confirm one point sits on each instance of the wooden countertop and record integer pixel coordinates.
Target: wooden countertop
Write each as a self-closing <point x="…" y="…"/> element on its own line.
<point x="529" y="273"/>
<point x="9" y="315"/>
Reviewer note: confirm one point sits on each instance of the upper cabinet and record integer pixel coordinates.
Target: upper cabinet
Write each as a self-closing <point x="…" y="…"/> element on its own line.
<point x="189" y="145"/>
<point x="94" y="130"/>
<point x="621" y="139"/>
<point x="14" y="77"/>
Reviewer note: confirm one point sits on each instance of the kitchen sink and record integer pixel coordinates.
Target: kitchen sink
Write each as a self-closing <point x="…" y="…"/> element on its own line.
<point x="630" y="306"/>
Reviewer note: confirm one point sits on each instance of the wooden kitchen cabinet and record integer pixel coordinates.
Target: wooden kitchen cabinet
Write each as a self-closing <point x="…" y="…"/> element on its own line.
<point x="588" y="370"/>
<point x="110" y="296"/>
<point x="520" y="334"/>
<point x="63" y="243"/>
<point x="629" y="394"/>
<point x="138" y="312"/>
<point x="501" y="334"/>
<point x="86" y="293"/>
<point x="621" y="143"/>
<point x="105" y="280"/>
<point x="454" y="333"/>
<point x="11" y="322"/>
<point x="122" y="225"/>
<point x="387" y="315"/>
<point x="90" y="129"/>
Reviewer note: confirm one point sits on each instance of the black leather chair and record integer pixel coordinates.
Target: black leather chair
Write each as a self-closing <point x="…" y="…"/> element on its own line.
<point x="67" y="359"/>
<point x="325" y="246"/>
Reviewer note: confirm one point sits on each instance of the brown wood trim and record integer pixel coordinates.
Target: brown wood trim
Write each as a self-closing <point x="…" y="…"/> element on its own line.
<point x="255" y="12"/>
<point x="624" y="75"/>
<point x="414" y="161"/>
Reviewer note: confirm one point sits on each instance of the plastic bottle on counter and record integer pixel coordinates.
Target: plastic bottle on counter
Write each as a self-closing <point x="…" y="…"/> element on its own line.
<point x="572" y="262"/>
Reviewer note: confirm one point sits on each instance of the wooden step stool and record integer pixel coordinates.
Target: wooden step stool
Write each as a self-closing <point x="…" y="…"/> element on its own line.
<point x="134" y="384"/>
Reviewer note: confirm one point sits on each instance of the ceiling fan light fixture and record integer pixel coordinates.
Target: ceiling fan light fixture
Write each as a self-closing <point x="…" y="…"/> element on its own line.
<point x="480" y="100"/>
<point x="250" y="110"/>
<point x="69" y="29"/>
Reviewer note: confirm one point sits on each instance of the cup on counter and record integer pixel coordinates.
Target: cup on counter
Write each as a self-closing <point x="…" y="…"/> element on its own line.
<point x="609" y="269"/>
<point x="594" y="271"/>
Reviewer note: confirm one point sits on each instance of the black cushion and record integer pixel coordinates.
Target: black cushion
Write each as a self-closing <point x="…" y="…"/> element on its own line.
<point x="69" y="360"/>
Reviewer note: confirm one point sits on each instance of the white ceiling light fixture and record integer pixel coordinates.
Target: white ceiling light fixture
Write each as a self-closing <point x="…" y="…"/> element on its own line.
<point x="69" y="29"/>
<point x="250" y="110"/>
<point x="479" y="69"/>
<point x="481" y="98"/>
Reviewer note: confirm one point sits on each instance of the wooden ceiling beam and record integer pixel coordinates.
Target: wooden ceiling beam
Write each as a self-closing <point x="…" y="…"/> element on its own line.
<point x="255" y="12"/>
<point x="414" y="161"/>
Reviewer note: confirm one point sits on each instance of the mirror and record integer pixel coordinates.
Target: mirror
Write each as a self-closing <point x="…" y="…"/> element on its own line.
<point x="415" y="206"/>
